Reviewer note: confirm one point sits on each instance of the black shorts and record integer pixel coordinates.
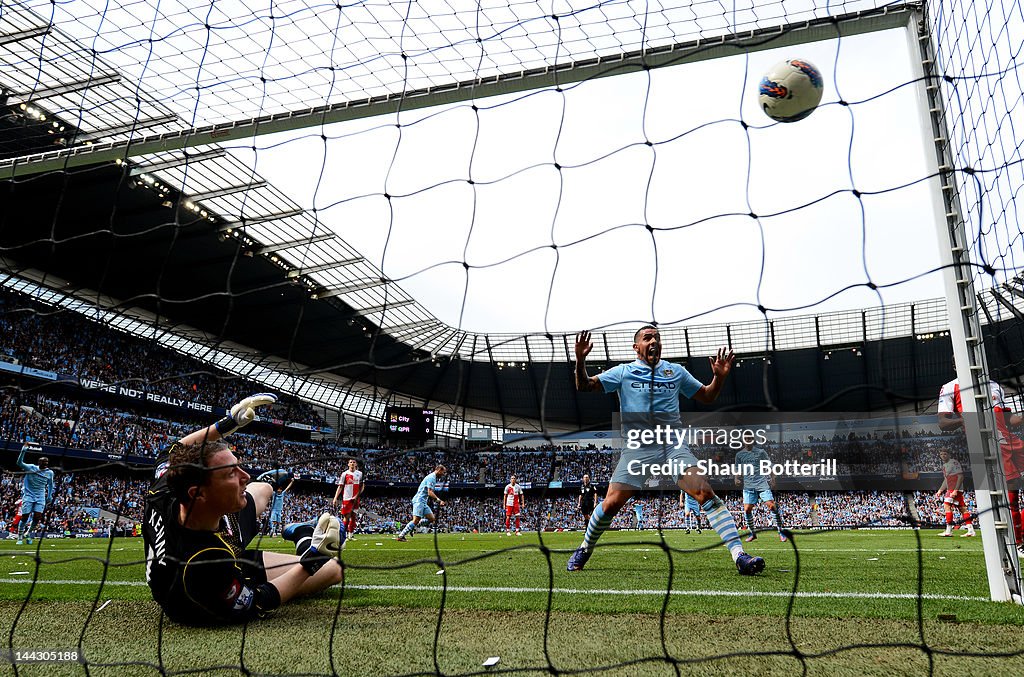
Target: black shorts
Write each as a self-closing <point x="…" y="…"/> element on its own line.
<point x="248" y="529"/>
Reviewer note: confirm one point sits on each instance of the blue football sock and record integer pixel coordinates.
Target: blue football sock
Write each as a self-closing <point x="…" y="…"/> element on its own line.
<point x="778" y="518"/>
<point x="722" y="522"/>
<point x="598" y="523"/>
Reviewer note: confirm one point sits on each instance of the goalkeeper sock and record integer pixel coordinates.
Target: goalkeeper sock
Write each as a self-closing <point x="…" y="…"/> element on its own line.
<point x="723" y="523"/>
<point x="302" y="535"/>
<point x="598" y="523"/>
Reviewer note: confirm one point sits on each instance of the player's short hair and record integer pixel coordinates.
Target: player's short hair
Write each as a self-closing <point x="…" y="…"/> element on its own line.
<point x="441" y="468"/>
<point x="189" y="466"/>
<point x="43" y="462"/>
<point x="636" y="336"/>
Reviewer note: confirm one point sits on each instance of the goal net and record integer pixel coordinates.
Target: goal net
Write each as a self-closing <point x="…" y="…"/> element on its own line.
<point x="398" y="218"/>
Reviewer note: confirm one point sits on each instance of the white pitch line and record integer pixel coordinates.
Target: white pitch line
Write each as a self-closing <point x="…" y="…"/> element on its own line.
<point x="681" y="593"/>
<point x="774" y="548"/>
<point x="65" y="582"/>
<point x="583" y="591"/>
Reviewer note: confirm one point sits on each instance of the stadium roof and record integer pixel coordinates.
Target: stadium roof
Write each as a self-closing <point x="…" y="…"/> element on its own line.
<point x="228" y="62"/>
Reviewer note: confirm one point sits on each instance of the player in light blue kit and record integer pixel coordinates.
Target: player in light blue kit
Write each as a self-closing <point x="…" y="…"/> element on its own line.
<point x="649" y="390"/>
<point x="691" y="512"/>
<point x="420" y="507"/>
<point x="638" y="513"/>
<point x="277" y="507"/>
<point x="757" y="487"/>
<point x="36" y="494"/>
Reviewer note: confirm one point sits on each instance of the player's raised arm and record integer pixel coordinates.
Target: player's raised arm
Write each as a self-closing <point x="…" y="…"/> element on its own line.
<point x="21" y="460"/>
<point x="241" y="415"/>
<point x="721" y="365"/>
<point x="585" y="382"/>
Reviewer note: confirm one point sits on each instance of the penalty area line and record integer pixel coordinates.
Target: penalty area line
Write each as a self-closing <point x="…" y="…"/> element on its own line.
<point x="680" y="593"/>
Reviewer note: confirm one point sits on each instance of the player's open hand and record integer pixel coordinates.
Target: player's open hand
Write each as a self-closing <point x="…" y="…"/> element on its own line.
<point x="721" y="364"/>
<point x="583" y="345"/>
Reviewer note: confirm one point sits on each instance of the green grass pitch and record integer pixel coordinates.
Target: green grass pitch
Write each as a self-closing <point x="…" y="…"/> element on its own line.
<point x="851" y="588"/>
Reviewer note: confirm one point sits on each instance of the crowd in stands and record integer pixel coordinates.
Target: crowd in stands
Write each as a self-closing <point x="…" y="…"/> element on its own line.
<point x="78" y="495"/>
<point x="78" y="499"/>
<point x="72" y="424"/>
<point x="65" y="342"/>
<point x="661" y="510"/>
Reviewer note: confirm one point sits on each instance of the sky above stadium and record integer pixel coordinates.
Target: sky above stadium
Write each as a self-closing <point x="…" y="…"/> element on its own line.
<point x="706" y="259"/>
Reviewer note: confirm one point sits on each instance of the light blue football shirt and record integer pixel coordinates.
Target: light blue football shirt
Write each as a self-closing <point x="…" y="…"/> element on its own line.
<point x="36" y="484"/>
<point x="755" y="480"/>
<point x="640" y="391"/>
<point x="277" y="502"/>
<point x="429" y="483"/>
<point x="647" y="400"/>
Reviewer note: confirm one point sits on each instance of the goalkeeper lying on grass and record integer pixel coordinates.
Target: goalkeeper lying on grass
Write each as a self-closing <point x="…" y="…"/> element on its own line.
<point x="201" y="514"/>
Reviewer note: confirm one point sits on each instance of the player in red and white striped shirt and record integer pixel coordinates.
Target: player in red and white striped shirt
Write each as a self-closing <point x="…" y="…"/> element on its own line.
<point x="350" y="489"/>
<point x="1011" y="446"/>
<point x="951" y="492"/>
<point x="512" y="499"/>
<point x="17" y="516"/>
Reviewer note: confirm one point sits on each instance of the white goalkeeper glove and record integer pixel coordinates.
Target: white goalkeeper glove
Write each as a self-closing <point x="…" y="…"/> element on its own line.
<point x="243" y="413"/>
<point x="325" y="544"/>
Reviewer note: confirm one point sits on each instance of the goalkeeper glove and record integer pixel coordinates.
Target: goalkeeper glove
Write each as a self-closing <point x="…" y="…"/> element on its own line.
<point x="243" y="413"/>
<point x="324" y="545"/>
<point x="278" y="479"/>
